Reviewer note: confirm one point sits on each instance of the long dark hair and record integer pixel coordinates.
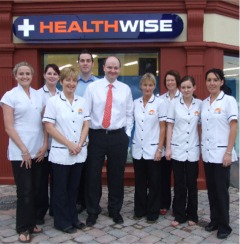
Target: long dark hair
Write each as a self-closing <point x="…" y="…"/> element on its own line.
<point x="220" y="75"/>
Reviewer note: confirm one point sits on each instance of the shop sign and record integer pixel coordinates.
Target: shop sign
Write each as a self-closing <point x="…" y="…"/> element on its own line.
<point x="97" y="27"/>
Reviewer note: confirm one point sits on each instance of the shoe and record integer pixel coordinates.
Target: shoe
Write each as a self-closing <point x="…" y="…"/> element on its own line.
<point x="91" y="220"/>
<point x="175" y="223"/>
<point x="191" y="223"/>
<point x="40" y="221"/>
<point x="80" y="226"/>
<point x="37" y="230"/>
<point x="24" y="237"/>
<point x="163" y="211"/>
<point x="117" y="218"/>
<point x="137" y="217"/>
<point x="151" y="221"/>
<point x="69" y="230"/>
<point x="211" y="227"/>
<point x="223" y="235"/>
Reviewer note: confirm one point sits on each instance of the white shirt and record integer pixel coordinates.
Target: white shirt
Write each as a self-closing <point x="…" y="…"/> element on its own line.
<point x="215" y="119"/>
<point x="27" y="120"/>
<point x="68" y="119"/>
<point x="167" y="99"/>
<point x="185" y="139"/>
<point x="46" y="94"/>
<point x="122" y="105"/>
<point x="147" y="128"/>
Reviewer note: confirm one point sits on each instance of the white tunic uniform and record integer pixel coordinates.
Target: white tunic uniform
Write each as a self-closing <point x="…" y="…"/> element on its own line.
<point x="185" y="140"/>
<point x="167" y="99"/>
<point x="215" y="119"/>
<point x="46" y="94"/>
<point x="68" y="119"/>
<point x="147" y="129"/>
<point x="27" y="120"/>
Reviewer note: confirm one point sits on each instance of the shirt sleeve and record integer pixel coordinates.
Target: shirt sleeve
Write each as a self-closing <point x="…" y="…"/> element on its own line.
<point x="162" y="110"/>
<point x="232" y="109"/>
<point x="129" y="113"/>
<point x="8" y="99"/>
<point x="171" y="112"/>
<point x="50" y="111"/>
<point x="86" y="114"/>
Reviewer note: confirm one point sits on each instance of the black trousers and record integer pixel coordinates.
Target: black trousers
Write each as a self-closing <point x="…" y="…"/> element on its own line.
<point x="114" y="146"/>
<point x="65" y="188"/>
<point x="185" y="190"/>
<point x="165" y="185"/>
<point x="81" y="189"/>
<point x="147" y="196"/>
<point x="28" y="183"/>
<point x="218" y="181"/>
<point x="46" y="169"/>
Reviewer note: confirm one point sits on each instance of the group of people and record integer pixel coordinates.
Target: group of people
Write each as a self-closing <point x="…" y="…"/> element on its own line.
<point x="67" y="135"/>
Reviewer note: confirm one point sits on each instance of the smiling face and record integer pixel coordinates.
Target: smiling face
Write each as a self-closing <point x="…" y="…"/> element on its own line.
<point x="69" y="84"/>
<point x="51" y="77"/>
<point x="171" y="83"/>
<point x="187" y="89"/>
<point x="213" y="83"/>
<point x="111" y="69"/>
<point x="85" y="63"/>
<point x="24" y="76"/>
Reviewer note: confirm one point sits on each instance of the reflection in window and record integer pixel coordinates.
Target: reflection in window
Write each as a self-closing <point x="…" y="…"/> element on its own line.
<point x="231" y="70"/>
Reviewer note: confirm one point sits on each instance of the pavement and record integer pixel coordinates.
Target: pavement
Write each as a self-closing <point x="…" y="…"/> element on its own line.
<point x="131" y="231"/>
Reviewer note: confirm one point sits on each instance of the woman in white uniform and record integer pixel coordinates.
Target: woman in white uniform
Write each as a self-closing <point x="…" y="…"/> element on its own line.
<point x="22" y="112"/>
<point x="171" y="83"/>
<point x="219" y="118"/>
<point x="183" y="148"/>
<point x="147" y="150"/>
<point x="51" y="77"/>
<point x="67" y="120"/>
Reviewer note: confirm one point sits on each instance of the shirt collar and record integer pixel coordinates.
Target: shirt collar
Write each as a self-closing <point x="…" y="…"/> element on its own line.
<point x="182" y="101"/>
<point x="219" y="97"/>
<point x="106" y="83"/>
<point x="86" y="81"/>
<point x="45" y="89"/>
<point x="177" y="94"/>
<point x="62" y="96"/>
<point x="151" y="100"/>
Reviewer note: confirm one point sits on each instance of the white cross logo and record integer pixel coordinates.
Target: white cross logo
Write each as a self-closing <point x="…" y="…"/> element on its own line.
<point x="26" y="28"/>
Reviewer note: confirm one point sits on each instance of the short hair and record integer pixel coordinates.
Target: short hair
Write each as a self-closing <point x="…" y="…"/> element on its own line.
<point x="85" y="51"/>
<point x="17" y="66"/>
<point x="53" y="66"/>
<point x="173" y="73"/>
<point x="148" y="77"/>
<point x="68" y="72"/>
<point x="105" y="60"/>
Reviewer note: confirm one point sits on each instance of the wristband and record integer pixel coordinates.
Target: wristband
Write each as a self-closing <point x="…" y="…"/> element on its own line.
<point x="159" y="150"/>
<point x="230" y="153"/>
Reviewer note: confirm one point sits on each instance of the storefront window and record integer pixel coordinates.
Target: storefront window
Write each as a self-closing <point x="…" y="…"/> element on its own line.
<point x="231" y="71"/>
<point x="133" y="66"/>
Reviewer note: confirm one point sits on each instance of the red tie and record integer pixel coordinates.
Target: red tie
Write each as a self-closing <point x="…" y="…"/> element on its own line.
<point x="108" y="108"/>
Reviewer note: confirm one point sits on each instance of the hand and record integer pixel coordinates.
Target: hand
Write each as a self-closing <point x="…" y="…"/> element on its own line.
<point x="74" y="148"/>
<point x="41" y="154"/>
<point x="168" y="154"/>
<point x="26" y="158"/>
<point x="227" y="160"/>
<point x="158" y="156"/>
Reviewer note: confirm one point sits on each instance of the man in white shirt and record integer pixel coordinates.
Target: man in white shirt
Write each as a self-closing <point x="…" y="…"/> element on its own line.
<point x="85" y="64"/>
<point x="110" y="140"/>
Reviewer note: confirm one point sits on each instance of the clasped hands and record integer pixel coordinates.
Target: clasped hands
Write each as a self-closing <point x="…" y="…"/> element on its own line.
<point x="74" y="148"/>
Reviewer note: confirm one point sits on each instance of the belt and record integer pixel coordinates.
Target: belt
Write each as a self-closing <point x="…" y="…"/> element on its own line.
<point x="107" y="132"/>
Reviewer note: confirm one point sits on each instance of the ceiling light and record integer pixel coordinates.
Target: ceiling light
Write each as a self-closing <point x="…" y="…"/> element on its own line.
<point x="131" y="63"/>
<point x="228" y="69"/>
<point x="64" y="66"/>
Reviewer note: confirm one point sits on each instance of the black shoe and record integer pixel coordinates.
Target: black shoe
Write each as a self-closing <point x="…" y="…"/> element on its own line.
<point x="69" y="230"/>
<point x="152" y="220"/>
<point x="117" y="218"/>
<point x="135" y="217"/>
<point x="211" y="227"/>
<point x="223" y="235"/>
<point x="40" y="221"/>
<point x="91" y="220"/>
<point x="80" y="226"/>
